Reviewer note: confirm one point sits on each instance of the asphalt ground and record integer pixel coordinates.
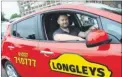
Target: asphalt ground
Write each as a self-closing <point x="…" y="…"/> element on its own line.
<point x="3" y="73"/>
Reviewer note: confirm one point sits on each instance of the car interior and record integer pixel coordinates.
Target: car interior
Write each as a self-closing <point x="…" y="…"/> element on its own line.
<point x="50" y="22"/>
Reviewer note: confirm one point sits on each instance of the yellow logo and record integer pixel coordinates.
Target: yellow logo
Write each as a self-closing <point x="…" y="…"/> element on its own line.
<point x="77" y="65"/>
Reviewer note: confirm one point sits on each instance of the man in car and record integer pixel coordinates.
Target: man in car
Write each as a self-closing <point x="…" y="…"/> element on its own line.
<point x="67" y="32"/>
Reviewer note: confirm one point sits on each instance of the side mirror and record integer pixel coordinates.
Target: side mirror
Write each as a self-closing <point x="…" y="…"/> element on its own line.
<point x="97" y="38"/>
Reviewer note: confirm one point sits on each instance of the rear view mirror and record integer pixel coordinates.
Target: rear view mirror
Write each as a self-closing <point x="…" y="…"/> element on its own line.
<point x="96" y="38"/>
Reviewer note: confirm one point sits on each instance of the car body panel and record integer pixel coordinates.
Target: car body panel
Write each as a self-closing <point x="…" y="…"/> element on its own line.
<point x="96" y="54"/>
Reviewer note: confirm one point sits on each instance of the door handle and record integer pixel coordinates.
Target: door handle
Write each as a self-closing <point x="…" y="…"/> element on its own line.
<point x="47" y="52"/>
<point x="11" y="47"/>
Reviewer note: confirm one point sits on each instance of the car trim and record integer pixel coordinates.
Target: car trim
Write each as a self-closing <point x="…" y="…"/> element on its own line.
<point x="99" y="43"/>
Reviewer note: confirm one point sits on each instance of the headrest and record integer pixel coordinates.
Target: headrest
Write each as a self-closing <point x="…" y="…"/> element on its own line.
<point x="70" y="20"/>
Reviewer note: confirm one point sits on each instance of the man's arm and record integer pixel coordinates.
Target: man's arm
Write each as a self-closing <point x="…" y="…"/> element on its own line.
<point x="84" y="34"/>
<point x="66" y="37"/>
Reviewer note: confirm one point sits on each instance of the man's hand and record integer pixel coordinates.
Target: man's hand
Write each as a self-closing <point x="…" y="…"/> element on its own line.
<point x="84" y="34"/>
<point x="93" y="28"/>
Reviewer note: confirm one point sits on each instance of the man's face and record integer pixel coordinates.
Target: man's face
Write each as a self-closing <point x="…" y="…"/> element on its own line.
<point x="63" y="21"/>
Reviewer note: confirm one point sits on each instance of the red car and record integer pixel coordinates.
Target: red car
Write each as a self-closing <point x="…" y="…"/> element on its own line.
<point x="28" y="48"/>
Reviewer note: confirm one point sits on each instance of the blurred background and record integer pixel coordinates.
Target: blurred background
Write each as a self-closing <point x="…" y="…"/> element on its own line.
<point x="14" y="10"/>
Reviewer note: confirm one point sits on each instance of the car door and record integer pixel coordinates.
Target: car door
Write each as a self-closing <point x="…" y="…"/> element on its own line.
<point x="58" y="57"/>
<point x="25" y="51"/>
<point x="74" y="59"/>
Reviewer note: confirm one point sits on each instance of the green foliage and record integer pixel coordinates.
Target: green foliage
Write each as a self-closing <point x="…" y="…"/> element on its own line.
<point x="2" y="17"/>
<point x="14" y="16"/>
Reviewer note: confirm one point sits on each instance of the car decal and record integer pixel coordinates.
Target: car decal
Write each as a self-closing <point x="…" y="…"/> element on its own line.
<point x="23" y="59"/>
<point x="77" y="65"/>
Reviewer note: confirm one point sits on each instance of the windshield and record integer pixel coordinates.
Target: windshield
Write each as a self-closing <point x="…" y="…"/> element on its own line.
<point x="105" y="7"/>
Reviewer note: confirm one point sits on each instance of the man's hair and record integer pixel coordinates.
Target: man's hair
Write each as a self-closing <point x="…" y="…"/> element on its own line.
<point x="62" y="15"/>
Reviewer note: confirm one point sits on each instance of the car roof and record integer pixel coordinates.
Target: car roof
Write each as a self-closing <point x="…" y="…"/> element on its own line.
<point x="105" y="7"/>
<point x="81" y="7"/>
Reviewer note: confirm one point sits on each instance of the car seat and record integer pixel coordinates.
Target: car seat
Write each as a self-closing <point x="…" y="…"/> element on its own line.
<point x="53" y="25"/>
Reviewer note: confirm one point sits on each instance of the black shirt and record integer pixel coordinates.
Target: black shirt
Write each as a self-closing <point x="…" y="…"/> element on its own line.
<point x="72" y="31"/>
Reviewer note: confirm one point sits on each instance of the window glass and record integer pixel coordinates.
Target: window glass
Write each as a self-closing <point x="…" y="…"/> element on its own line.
<point x="26" y="28"/>
<point x="113" y="28"/>
<point x="87" y="21"/>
